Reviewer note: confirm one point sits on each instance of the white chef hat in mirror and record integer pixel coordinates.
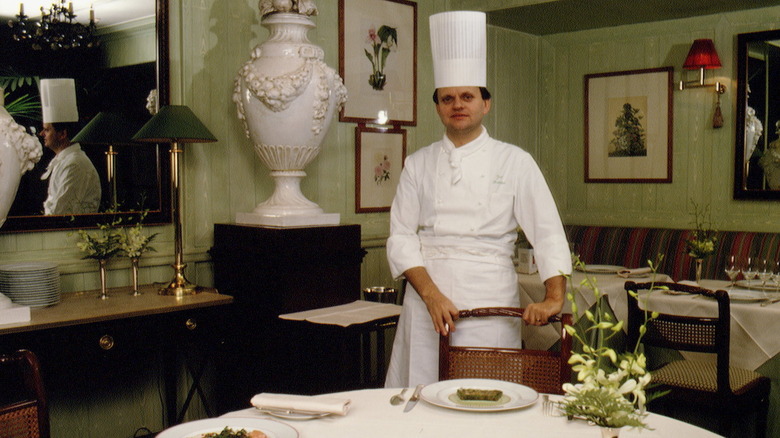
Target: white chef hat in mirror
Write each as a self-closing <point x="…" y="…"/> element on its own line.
<point x="459" y="48"/>
<point x="58" y="101"/>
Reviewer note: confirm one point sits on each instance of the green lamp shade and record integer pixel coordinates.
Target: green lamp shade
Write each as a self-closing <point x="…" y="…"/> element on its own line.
<point x="174" y="123"/>
<point x="108" y="128"/>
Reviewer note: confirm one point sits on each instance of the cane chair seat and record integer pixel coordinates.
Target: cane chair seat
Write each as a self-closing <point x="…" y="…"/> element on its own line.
<point x="544" y="371"/>
<point x="23" y="409"/>
<point x="702" y="376"/>
<point x="695" y="382"/>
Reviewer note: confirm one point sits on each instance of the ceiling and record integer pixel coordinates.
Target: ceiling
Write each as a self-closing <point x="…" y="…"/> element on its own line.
<point x="572" y="15"/>
<point x="107" y="12"/>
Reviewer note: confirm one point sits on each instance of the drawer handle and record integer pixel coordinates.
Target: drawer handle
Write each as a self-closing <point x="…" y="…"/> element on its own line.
<point x="191" y="324"/>
<point x="106" y="342"/>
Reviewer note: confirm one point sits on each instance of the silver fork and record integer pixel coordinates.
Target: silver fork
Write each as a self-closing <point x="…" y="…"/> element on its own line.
<point x="548" y="406"/>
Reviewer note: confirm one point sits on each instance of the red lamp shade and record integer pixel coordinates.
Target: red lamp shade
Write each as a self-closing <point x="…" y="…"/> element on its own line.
<point x="702" y="55"/>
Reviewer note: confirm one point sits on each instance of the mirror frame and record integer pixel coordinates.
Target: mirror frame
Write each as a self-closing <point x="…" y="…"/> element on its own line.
<point x="16" y="224"/>
<point x="740" y="192"/>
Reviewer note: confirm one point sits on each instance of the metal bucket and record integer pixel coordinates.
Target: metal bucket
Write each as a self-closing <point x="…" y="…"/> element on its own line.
<point x="380" y="294"/>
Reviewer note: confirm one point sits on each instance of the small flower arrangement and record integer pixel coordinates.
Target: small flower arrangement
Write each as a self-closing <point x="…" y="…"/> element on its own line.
<point x="102" y="244"/>
<point x="703" y="241"/>
<point x="612" y="388"/>
<point x="133" y="242"/>
<point x="382" y="42"/>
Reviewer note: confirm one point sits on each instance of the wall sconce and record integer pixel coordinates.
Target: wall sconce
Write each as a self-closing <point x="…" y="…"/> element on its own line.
<point x="703" y="56"/>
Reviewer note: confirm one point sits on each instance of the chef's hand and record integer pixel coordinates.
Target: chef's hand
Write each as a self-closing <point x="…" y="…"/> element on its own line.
<point x="539" y="313"/>
<point x="443" y="312"/>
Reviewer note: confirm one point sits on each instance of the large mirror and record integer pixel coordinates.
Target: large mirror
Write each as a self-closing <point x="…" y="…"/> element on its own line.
<point x="757" y="159"/>
<point x="117" y="75"/>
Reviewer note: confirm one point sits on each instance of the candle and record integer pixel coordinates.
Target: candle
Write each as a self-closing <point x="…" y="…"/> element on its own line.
<point x="21" y="8"/>
<point x="70" y="8"/>
<point x="91" y="14"/>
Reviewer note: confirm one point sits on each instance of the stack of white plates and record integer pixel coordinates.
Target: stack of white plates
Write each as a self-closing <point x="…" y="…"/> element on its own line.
<point x="34" y="284"/>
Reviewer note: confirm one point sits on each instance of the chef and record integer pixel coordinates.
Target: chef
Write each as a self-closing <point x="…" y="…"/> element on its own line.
<point x="454" y="218"/>
<point x="74" y="184"/>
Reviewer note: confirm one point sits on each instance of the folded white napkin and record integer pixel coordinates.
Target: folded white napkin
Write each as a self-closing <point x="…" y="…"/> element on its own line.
<point x="301" y="403"/>
<point x="638" y="272"/>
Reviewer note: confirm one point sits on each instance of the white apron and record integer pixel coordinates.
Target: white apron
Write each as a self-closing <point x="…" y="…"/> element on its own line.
<point x="466" y="284"/>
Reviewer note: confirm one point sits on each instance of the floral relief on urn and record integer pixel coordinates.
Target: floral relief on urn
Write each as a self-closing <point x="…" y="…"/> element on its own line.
<point x="286" y="97"/>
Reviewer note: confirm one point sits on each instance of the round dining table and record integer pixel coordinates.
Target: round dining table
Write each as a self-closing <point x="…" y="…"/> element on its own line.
<point x="372" y="415"/>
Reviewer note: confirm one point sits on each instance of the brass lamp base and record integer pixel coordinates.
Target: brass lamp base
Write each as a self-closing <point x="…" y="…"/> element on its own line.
<point x="180" y="286"/>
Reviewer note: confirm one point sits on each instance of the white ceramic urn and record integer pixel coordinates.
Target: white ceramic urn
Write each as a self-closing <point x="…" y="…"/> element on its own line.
<point x="19" y="152"/>
<point x="286" y="97"/>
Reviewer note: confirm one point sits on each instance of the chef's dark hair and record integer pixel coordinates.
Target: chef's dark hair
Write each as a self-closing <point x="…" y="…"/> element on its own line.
<point x="482" y="90"/>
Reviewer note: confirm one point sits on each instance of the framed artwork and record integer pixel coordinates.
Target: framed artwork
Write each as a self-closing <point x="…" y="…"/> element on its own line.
<point x="628" y="126"/>
<point x="379" y="158"/>
<point x="378" y="61"/>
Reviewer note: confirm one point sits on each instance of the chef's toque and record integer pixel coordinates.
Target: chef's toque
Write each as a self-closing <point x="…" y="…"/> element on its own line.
<point x="459" y="48"/>
<point x="58" y="101"/>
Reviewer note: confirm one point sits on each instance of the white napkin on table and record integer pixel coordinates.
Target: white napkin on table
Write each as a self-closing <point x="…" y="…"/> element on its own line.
<point x="631" y="273"/>
<point x="301" y="403"/>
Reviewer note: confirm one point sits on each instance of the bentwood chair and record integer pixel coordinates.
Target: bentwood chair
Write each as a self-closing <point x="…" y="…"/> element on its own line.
<point x="23" y="409"/>
<point x="544" y="371"/>
<point x="726" y="391"/>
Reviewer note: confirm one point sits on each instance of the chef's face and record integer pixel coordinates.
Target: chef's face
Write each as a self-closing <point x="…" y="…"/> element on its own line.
<point x="51" y="137"/>
<point x="461" y="110"/>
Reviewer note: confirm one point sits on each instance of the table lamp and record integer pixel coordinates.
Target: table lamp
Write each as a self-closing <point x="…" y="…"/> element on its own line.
<point x="176" y="124"/>
<point x="109" y="128"/>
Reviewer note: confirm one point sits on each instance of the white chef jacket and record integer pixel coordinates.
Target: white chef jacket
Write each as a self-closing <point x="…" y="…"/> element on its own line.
<point x="74" y="185"/>
<point x="456" y="212"/>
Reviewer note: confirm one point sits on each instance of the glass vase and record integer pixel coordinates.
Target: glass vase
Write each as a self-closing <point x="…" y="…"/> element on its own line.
<point x="134" y="261"/>
<point x="699" y="263"/>
<point x="103" y="294"/>
<point x="610" y="432"/>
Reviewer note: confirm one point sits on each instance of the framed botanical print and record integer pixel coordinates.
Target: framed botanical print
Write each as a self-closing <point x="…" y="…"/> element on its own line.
<point x="379" y="158"/>
<point x="628" y="126"/>
<point x="378" y="61"/>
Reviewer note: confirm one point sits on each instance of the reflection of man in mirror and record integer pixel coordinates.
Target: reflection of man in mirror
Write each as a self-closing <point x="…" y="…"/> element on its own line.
<point x="770" y="161"/>
<point x="74" y="185"/>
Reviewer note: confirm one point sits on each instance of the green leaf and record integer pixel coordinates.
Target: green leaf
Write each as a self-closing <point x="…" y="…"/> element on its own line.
<point x="386" y="33"/>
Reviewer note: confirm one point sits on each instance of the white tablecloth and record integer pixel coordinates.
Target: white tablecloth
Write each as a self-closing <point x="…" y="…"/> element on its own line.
<point x="373" y="416"/>
<point x="532" y="291"/>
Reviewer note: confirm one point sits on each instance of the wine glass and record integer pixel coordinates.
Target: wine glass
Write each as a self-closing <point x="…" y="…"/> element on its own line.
<point x="776" y="275"/>
<point x="764" y="272"/>
<point x="732" y="270"/>
<point x="749" y="270"/>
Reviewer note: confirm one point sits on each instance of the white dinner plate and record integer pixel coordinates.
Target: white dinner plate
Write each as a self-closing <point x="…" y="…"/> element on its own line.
<point x="602" y="269"/>
<point x="195" y="429"/>
<point x="757" y="284"/>
<point x="444" y="394"/>
<point x="745" y="295"/>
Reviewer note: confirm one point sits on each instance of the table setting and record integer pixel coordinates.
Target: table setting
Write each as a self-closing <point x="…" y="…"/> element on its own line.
<point x="436" y="413"/>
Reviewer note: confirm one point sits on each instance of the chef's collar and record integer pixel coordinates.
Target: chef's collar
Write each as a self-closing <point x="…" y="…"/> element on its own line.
<point x="59" y="157"/>
<point x="456" y="154"/>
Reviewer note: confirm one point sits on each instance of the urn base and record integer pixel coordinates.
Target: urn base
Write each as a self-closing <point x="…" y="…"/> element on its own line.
<point x="298" y="220"/>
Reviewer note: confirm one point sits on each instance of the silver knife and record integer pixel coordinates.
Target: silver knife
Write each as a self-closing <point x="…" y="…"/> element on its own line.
<point x="414" y="399"/>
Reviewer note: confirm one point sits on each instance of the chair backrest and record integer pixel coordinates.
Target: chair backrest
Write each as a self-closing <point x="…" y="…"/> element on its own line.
<point x="23" y="409"/>
<point x="684" y="333"/>
<point x="544" y="371"/>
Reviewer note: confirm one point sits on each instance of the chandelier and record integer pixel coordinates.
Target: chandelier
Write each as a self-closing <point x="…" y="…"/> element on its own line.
<point x="56" y="29"/>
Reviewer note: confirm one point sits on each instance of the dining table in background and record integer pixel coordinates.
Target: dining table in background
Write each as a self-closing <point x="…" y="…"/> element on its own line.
<point x="372" y="415"/>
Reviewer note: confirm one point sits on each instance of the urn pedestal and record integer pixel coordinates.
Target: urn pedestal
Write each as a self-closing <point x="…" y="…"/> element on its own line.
<point x="286" y="97"/>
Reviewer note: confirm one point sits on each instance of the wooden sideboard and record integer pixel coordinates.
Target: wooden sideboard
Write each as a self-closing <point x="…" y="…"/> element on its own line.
<point x="97" y="356"/>
<point x="273" y="271"/>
